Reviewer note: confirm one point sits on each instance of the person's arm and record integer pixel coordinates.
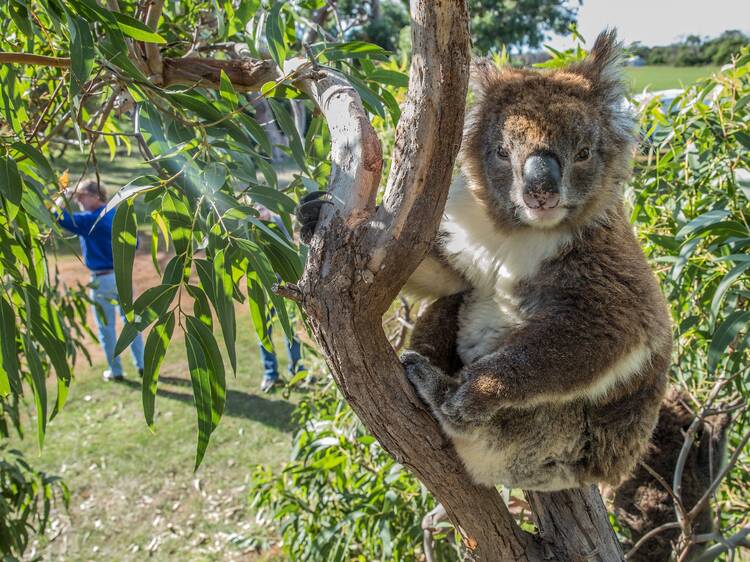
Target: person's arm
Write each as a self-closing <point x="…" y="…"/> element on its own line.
<point x="77" y="223"/>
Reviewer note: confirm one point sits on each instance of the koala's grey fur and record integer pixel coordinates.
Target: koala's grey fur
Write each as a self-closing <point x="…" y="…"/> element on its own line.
<point x="545" y="354"/>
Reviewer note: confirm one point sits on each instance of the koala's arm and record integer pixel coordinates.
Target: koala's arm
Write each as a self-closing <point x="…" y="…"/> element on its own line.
<point x="434" y="334"/>
<point x="567" y="351"/>
<point x="435" y="278"/>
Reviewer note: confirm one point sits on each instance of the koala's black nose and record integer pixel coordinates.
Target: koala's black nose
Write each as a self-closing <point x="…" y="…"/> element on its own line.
<point x="541" y="181"/>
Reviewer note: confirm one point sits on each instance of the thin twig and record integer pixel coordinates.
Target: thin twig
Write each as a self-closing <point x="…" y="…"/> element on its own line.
<point x="689" y="440"/>
<point x="39" y="121"/>
<point x="724" y="471"/>
<point x="652" y="533"/>
<point x="677" y="501"/>
<point x="288" y="291"/>
<point x="739" y="539"/>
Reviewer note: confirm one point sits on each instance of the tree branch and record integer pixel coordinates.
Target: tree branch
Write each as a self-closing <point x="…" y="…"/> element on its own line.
<point x="36" y="60"/>
<point x="735" y="541"/>
<point x="153" y="55"/>
<point x="247" y="75"/>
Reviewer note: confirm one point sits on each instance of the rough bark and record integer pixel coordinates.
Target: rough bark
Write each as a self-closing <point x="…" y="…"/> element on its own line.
<point x="574" y="525"/>
<point x="246" y="75"/>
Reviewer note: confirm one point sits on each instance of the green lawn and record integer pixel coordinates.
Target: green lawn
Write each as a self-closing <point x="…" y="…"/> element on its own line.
<point x="665" y="77"/>
<point x="134" y="494"/>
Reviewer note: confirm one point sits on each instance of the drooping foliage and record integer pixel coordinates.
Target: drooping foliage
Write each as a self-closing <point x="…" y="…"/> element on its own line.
<point x="107" y="81"/>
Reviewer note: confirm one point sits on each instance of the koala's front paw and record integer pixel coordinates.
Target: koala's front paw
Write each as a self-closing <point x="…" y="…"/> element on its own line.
<point x="431" y="383"/>
<point x="308" y="213"/>
<point x="417" y="367"/>
<point x="467" y="408"/>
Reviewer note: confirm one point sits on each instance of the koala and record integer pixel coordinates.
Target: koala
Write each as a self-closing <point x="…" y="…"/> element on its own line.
<point x="544" y="355"/>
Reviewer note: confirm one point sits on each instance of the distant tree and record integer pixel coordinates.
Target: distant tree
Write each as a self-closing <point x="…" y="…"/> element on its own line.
<point x="515" y="24"/>
<point x="494" y="23"/>
<point x="375" y="21"/>
<point x="694" y="50"/>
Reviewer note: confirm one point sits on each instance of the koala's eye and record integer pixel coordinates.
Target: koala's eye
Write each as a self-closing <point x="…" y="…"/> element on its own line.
<point x="502" y="153"/>
<point x="583" y="154"/>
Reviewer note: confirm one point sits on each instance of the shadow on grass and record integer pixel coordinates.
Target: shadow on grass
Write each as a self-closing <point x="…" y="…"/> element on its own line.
<point x="273" y="413"/>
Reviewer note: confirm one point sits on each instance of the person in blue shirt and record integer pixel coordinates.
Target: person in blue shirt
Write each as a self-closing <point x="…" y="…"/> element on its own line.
<point x="96" y="248"/>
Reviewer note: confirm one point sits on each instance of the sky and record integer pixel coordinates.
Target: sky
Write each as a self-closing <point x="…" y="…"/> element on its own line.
<point x="658" y="22"/>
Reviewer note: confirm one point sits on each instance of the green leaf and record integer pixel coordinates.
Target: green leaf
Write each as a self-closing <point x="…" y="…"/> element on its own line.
<point x="141" y="184"/>
<point x="287" y="126"/>
<point x="175" y="211"/>
<point x="11" y="186"/>
<point x="725" y="335"/>
<point x="391" y="77"/>
<point x="744" y="139"/>
<point x="227" y="90"/>
<point x="354" y="50"/>
<point x="42" y="169"/>
<point x="702" y="222"/>
<point x="148" y="307"/>
<point x="209" y="382"/>
<point x="136" y="29"/>
<point x="257" y="132"/>
<point x="258" y="309"/>
<point x="724" y="285"/>
<point x="201" y="308"/>
<point x="370" y="99"/>
<point x="214" y="176"/>
<point x="274" y="200"/>
<point x="275" y="34"/>
<point x="39" y="387"/>
<point x="154" y="352"/>
<point x="200" y="378"/>
<point x="222" y="299"/>
<point x="9" y="375"/>
<point x="258" y="262"/>
<point x="124" y="242"/>
<point x="81" y="54"/>
<point x="202" y="107"/>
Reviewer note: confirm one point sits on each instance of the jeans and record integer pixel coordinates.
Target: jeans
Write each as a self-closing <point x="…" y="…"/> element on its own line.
<point x="270" y="365"/>
<point x="104" y="293"/>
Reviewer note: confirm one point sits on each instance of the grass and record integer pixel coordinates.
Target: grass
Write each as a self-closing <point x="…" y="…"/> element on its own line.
<point x="665" y="77"/>
<point x="134" y="493"/>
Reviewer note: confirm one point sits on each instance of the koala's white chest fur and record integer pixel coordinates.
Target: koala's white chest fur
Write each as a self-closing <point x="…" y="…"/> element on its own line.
<point x="493" y="263"/>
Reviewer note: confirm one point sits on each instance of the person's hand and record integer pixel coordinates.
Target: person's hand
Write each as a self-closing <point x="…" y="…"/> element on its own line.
<point x="63" y="199"/>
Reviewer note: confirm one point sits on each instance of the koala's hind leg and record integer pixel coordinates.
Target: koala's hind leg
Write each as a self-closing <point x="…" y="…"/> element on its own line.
<point x="434" y="334"/>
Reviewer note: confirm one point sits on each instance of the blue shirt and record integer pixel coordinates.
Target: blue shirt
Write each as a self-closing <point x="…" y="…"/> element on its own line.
<point x="96" y="243"/>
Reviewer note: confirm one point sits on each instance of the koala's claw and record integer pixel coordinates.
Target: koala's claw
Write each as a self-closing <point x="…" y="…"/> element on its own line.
<point x="432" y="385"/>
<point x="414" y="364"/>
<point x="308" y="213"/>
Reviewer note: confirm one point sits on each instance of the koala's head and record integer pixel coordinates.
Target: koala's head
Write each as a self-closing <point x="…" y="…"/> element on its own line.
<point x="544" y="149"/>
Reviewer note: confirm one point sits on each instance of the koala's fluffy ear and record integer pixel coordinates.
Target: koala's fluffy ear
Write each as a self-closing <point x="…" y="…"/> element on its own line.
<point x="603" y="66"/>
<point x="485" y="74"/>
